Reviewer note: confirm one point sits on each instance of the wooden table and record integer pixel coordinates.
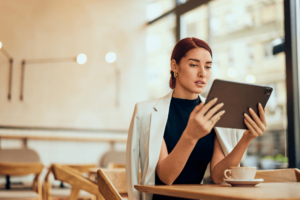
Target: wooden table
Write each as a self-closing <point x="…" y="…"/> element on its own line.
<point x="225" y="191"/>
<point x="93" y="171"/>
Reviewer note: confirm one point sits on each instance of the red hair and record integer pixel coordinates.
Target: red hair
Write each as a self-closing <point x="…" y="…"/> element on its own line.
<point x="181" y="48"/>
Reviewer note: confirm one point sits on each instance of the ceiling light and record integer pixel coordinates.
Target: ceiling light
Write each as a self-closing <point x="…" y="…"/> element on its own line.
<point x="110" y="57"/>
<point x="81" y="58"/>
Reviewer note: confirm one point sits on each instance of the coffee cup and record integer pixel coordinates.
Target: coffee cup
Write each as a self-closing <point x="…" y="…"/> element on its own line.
<point x="241" y="173"/>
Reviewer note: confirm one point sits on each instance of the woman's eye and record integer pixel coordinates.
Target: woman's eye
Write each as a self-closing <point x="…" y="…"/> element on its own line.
<point x="208" y="67"/>
<point x="192" y="65"/>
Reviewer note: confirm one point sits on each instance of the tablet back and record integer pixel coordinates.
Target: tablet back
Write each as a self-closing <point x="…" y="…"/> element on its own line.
<point x="237" y="99"/>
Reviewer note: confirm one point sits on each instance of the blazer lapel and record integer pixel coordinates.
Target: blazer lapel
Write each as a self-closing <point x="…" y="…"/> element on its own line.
<point x="158" y="122"/>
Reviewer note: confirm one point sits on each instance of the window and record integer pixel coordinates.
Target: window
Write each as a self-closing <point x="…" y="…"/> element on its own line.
<point x="242" y="42"/>
<point x="242" y="35"/>
<point x="160" y="40"/>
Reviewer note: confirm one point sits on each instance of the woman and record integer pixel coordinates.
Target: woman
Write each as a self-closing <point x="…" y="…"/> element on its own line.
<point x="173" y="138"/>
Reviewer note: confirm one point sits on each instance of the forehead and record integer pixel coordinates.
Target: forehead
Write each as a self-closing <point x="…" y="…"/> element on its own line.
<point x="199" y="53"/>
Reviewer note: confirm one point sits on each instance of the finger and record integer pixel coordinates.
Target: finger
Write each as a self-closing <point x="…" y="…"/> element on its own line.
<point x="211" y="112"/>
<point x="215" y="118"/>
<point x="257" y="120"/>
<point x="197" y="108"/>
<point x="262" y="114"/>
<point x="207" y="106"/>
<point x="251" y="129"/>
<point x="253" y="124"/>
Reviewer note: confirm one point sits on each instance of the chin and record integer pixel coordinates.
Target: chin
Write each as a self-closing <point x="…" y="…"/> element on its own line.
<point x="197" y="90"/>
<point x="200" y="90"/>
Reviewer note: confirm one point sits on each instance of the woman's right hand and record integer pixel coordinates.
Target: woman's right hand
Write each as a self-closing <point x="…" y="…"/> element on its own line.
<point x="201" y="122"/>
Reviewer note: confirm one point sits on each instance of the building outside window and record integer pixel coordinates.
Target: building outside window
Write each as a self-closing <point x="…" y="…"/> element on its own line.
<point x="241" y="34"/>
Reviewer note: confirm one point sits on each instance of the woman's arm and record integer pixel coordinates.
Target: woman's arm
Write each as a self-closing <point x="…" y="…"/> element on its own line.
<point x="169" y="166"/>
<point x="220" y="163"/>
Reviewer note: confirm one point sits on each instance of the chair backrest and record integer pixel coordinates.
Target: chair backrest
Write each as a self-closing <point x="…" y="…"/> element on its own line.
<point x="20" y="169"/>
<point x="82" y="168"/>
<point x="112" y="183"/>
<point x="76" y="180"/>
<point x="18" y="155"/>
<point x="279" y="175"/>
<point x="113" y="156"/>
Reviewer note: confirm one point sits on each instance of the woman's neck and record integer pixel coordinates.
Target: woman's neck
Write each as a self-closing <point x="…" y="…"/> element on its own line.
<point x="182" y="93"/>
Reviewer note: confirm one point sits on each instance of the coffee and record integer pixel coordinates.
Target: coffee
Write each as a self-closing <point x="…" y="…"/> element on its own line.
<point x="241" y="173"/>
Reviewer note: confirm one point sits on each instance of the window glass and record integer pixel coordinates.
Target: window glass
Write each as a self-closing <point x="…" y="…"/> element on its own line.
<point x="242" y="35"/>
<point x="160" y="41"/>
<point x="156" y="8"/>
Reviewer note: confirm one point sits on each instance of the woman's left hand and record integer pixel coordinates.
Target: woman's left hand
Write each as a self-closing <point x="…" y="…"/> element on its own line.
<point x="257" y="125"/>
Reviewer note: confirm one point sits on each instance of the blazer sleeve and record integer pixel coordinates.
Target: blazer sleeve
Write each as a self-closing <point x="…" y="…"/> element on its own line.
<point x="132" y="156"/>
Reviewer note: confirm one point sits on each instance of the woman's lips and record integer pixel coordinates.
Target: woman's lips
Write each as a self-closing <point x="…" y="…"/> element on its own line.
<point x="200" y="83"/>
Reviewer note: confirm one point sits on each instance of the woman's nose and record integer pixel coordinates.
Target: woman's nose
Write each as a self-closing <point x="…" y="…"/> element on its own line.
<point x="202" y="72"/>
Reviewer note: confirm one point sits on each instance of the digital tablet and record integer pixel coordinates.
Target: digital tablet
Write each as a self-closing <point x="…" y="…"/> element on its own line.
<point x="237" y="99"/>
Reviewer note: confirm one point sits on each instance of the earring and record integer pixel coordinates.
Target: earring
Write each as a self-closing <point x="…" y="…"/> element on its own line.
<point x="175" y="75"/>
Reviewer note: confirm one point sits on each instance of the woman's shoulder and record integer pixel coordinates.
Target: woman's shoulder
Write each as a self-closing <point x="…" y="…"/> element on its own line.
<point x="147" y="105"/>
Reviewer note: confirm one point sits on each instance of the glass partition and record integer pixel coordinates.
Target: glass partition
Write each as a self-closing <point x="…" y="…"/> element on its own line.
<point x="242" y="35"/>
<point x="160" y="40"/>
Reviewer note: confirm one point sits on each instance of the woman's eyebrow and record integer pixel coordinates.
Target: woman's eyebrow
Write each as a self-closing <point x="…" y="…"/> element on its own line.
<point x="208" y="62"/>
<point x="194" y="59"/>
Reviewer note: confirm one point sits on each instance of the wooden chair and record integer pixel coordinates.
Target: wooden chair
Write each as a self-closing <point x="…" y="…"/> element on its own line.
<point x="22" y="169"/>
<point x="76" y="180"/>
<point x="112" y="165"/>
<point x="64" y="193"/>
<point x="112" y="156"/>
<point x="279" y="175"/>
<point x="20" y="155"/>
<point x="112" y="183"/>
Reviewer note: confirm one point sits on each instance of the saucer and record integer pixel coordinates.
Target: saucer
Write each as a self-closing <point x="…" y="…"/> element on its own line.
<point x="243" y="183"/>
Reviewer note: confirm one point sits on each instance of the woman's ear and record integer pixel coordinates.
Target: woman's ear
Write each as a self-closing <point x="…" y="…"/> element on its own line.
<point x="174" y="66"/>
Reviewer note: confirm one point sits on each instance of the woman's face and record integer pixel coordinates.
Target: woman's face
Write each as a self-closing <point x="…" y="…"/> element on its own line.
<point x="194" y="70"/>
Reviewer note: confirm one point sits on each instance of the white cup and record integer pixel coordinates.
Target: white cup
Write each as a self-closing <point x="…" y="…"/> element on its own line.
<point x="241" y="173"/>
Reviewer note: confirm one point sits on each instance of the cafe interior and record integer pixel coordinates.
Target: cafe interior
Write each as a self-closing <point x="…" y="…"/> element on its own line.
<point x="72" y="71"/>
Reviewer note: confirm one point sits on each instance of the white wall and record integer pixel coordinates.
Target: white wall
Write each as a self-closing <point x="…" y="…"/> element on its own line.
<point x="69" y="95"/>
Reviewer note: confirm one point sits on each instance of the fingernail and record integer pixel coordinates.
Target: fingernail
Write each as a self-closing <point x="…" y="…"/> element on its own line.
<point x="223" y="111"/>
<point x="245" y="114"/>
<point x="221" y="104"/>
<point x="260" y="104"/>
<point x="250" y="108"/>
<point x="215" y="99"/>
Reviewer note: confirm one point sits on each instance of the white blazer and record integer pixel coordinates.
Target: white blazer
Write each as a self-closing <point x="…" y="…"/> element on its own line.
<point x="144" y="141"/>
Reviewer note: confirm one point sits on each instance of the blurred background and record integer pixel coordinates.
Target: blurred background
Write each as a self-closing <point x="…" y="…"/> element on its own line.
<point x="242" y="35"/>
<point x="71" y="71"/>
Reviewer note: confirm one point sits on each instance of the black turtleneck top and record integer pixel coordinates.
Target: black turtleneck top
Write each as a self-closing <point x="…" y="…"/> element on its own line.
<point x="193" y="171"/>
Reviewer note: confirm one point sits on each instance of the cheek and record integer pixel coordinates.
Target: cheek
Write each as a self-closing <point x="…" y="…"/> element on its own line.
<point x="189" y="72"/>
<point x="208" y="74"/>
<point x="183" y="71"/>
